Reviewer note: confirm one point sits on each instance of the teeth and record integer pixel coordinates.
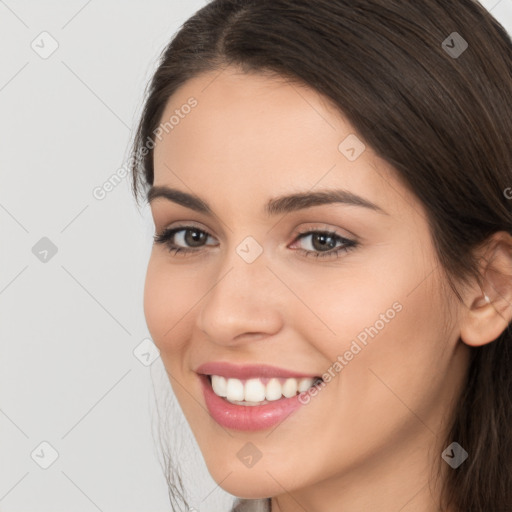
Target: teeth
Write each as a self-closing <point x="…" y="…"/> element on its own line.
<point x="304" y="384"/>
<point x="220" y="386"/>
<point x="235" y="390"/>
<point x="274" y="390"/>
<point x="290" y="388"/>
<point x="255" y="391"/>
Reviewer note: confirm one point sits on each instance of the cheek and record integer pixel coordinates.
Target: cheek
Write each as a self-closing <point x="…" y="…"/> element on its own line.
<point x="392" y="344"/>
<point x="169" y="298"/>
<point x="347" y="305"/>
<point x="374" y="321"/>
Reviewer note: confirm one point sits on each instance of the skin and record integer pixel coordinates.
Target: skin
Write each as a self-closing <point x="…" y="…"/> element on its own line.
<point x="370" y="438"/>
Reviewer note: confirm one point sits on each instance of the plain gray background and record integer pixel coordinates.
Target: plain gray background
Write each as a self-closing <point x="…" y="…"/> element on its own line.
<point x="72" y="319"/>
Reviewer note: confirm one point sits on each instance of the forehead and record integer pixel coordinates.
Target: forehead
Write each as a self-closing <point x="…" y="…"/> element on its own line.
<point x="249" y="133"/>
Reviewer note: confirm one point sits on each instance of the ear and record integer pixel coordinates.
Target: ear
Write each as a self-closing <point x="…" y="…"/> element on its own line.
<point x="489" y="303"/>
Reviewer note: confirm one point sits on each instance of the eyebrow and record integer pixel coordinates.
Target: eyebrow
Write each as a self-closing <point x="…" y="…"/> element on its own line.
<point x="275" y="206"/>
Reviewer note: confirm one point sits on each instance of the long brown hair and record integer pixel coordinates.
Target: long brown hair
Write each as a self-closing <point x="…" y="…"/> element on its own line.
<point x="442" y="119"/>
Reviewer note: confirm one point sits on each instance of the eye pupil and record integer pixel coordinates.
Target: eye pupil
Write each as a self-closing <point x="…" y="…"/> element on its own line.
<point x="194" y="237"/>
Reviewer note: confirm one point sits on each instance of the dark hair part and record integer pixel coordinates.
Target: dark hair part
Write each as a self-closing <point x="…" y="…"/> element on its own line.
<point x="443" y="122"/>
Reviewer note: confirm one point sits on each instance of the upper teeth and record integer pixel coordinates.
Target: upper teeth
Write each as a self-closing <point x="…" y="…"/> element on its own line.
<point x="255" y="390"/>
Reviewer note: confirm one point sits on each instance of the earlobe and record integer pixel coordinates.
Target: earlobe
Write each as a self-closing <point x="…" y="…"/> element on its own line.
<point x="483" y="323"/>
<point x="489" y="311"/>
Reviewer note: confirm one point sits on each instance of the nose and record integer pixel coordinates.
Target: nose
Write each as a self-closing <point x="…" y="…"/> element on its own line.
<point x="242" y="303"/>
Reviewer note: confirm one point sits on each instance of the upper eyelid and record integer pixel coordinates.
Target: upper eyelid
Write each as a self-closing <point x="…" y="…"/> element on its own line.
<point x="314" y="226"/>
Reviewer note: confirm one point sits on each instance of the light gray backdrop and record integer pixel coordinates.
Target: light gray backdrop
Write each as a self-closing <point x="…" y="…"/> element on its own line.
<point x="77" y="390"/>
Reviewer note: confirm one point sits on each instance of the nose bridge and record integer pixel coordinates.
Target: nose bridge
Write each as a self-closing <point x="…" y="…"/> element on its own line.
<point x="241" y="299"/>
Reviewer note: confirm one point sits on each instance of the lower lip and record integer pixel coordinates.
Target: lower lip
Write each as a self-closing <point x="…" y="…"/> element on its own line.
<point x="250" y="417"/>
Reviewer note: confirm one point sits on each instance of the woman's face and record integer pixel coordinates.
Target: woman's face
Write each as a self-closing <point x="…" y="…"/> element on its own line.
<point x="263" y="286"/>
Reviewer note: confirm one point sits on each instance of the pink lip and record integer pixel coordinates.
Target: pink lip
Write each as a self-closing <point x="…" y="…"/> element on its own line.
<point x="248" y="371"/>
<point x="241" y="417"/>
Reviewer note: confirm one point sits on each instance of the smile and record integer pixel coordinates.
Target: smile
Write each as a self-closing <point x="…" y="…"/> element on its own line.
<point x="251" y="397"/>
<point x="258" y="391"/>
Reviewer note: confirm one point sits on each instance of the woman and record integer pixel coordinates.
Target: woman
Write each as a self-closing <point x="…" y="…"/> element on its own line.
<point x="331" y="281"/>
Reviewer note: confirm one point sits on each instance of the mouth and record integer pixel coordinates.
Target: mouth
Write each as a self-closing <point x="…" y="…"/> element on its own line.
<point x="254" y="396"/>
<point x="256" y="403"/>
<point x="259" y="391"/>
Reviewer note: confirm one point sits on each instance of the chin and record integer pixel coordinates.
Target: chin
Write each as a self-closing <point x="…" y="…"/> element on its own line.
<point x="242" y="482"/>
<point x="249" y="490"/>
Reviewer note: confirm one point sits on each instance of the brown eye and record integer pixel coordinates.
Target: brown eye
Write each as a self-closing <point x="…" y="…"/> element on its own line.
<point x="183" y="239"/>
<point x="195" y="237"/>
<point x="323" y="241"/>
<point x="324" y="244"/>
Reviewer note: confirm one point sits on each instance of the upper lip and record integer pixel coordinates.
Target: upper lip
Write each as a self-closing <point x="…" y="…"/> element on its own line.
<point x="248" y="371"/>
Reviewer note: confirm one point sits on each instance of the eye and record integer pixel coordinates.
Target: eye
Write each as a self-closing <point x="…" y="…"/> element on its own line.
<point x="191" y="239"/>
<point x="324" y="244"/>
<point x="184" y="239"/>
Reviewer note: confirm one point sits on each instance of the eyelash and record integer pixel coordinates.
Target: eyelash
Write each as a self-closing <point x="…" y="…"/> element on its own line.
<point x="166" y="236"/>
